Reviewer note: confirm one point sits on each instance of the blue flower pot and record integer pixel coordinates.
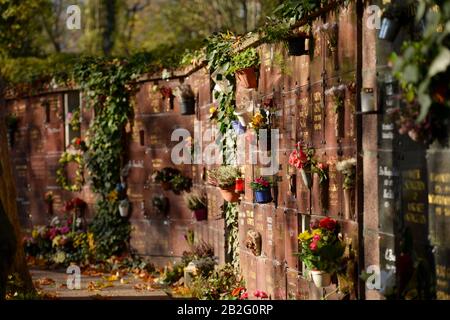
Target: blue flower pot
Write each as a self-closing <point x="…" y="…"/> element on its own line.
<point x="263" y="196"/>
<point x="238" y="127"/>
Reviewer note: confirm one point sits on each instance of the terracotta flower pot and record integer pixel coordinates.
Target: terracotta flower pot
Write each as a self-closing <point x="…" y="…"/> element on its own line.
<point x="321" y="278"/>
<point x="247" y="78"/>
<point x="229" y="194"/>
<point x="307" y="178"/>
<point x="201" y="214"/>
<point x="349" y="203"/>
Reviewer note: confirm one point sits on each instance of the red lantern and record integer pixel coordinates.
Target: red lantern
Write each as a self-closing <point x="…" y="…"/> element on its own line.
<point x="240" y="185"/>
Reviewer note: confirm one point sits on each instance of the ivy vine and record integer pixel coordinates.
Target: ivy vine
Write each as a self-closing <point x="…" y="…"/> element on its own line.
<point x="61" y="178"/>
<point x="231" y="212"/>
<point x="109" y="89"/>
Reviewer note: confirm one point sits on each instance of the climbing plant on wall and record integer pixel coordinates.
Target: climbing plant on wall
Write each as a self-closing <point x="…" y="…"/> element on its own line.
<point x="107" y="86"/>
<point x="232" y="223"/>
<point x="219" y="54"/>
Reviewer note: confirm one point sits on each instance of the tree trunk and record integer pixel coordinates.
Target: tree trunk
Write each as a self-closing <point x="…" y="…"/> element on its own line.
<point x="109" y="6"/>
<point x="12" y="256"/>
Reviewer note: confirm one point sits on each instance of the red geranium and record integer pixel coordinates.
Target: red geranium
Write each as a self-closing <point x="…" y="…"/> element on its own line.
<point x="78" y="203"/>
<point x="260" y="294"/>
<point x="68" y="206"/>
<point x="328" y="223"/>
<point x="244" y="296"/>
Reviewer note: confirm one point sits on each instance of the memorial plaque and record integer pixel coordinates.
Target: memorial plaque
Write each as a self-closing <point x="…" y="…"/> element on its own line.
<point x="317" y="114"/>
<point x="442" y="256"/>
<point x="388" y="179"/>
<point x="439" y="216"/>
<point x="304" y="120"/>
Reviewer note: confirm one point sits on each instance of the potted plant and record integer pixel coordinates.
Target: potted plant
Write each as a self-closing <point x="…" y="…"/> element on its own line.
<point x="161" y="204"/>
<point x="124" y="208"/>
<point x="262" y="120"/>
<point x="262" y="190"/>
<point x="348" y="169"/>
<point x="337" y="94"/>
<point x="243" y="66"/>
<point x="198" y="205"/>
<point x="186" y="96"/>
<point x="165" y="177"/>
<point x="295" y="40"/>
<point x="303" y="159"/>
<point x="321" y="250"/>
<point x="180" y="183"/>
<point x="224" y="177"/>
<point x="167" y="95"/>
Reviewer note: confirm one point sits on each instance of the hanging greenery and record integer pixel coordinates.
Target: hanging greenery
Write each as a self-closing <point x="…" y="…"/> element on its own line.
<point x="219" y="54"/>
<point x="61" y="178"/>
<point x="109" y="90"/>
<point x="231" y="212"/>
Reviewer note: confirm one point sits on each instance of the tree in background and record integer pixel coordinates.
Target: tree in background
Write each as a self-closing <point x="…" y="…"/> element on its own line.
<point x="12" y="257"/>
<point x="122" y="27"/>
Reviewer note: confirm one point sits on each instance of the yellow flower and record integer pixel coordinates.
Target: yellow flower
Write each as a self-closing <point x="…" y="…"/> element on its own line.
<point x="317" y="232"/>
<point x="305" y="236"/>
<point x="59" y="257"/>
<point x="56" y="241"/>
<point x="35" y="234"/>
<point x="212" y="110"/>
<point x="91" y="241"/>
<point x="113" y="195"/>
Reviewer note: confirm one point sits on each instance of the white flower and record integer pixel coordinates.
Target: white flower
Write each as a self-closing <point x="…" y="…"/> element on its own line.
<point x="345" y="164"/>
<point x="59" y="257"/>
<point x="55" y="221"/>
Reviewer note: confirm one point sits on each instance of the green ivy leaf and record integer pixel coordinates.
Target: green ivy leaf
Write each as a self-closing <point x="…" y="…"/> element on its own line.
<point x="411" y="73"/>
<point x="440" y="63"/>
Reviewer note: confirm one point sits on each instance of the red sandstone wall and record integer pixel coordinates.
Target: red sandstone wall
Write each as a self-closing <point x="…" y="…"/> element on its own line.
<point x="304" y="112"/>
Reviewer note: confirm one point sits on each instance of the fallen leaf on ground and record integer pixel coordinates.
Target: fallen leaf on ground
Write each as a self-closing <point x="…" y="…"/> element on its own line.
<point x="111" y="278"/>
<point x="99" y="285"/>
<point x="45" y="281"/>
<point x="143" y="286"/>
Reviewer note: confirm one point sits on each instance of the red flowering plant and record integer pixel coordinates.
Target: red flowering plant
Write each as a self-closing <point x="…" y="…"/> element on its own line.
<point x="166" y="92"/>
<point x="321" y="246"/>
<point x="260" y="184"/>
<point x="302" y="158"/>
<point x="79" y="144"/>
